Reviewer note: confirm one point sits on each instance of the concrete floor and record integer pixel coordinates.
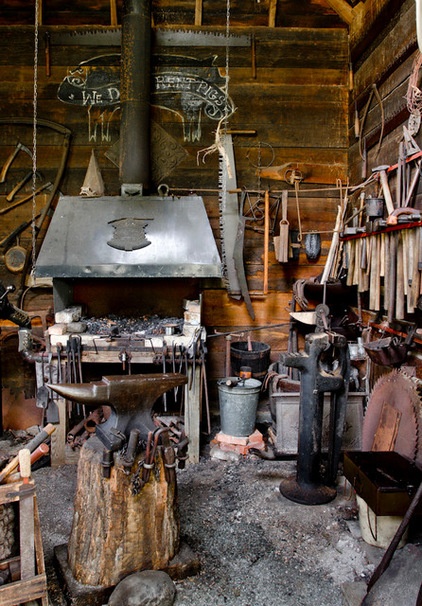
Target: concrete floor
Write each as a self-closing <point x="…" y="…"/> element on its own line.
<point x="256" y="548"/>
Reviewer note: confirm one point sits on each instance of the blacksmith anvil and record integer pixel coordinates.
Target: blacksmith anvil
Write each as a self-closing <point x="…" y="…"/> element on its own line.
<point x="130" y="397"/>
<point x="324" y="367"/>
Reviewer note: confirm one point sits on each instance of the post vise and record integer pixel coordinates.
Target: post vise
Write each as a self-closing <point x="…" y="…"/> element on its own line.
<point x="324" y="367"/>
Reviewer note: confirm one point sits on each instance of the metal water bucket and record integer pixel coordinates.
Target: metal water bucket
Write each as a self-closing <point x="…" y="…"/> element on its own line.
<point x="238" y="405"/>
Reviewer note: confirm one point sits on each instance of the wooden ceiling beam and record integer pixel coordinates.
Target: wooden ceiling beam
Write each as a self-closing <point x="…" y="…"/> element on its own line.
<point x="343" y="9"/>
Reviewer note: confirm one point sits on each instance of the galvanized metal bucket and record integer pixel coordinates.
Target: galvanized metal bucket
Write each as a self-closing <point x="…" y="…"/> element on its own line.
<point x="238" y="405"/>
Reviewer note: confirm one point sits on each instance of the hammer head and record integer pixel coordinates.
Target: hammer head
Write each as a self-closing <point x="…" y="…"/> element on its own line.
<point x="379" y="169"/>
<point x="23" y="148"/>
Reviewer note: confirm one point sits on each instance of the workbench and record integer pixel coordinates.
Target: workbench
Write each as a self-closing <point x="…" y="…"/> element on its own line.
<point x="127" y="352"/>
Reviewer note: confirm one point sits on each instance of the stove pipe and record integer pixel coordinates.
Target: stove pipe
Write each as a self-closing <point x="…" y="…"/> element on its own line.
<point x="135" y="77"/>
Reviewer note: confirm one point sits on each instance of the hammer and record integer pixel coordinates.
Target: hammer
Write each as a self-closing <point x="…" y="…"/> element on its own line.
<point x="382" y="171"/>
<point x="10" y="159"/>
<point x="10" y="196"/>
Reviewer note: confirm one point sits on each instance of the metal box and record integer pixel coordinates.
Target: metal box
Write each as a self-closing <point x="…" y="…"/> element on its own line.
<point x="387" y="481"/>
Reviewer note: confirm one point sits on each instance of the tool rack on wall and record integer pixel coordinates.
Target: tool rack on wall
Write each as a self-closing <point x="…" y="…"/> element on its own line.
<point x="386" y="264"/>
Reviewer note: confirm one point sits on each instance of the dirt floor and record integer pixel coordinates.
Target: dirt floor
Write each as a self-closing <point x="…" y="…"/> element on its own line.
<point x="256" y="547"/>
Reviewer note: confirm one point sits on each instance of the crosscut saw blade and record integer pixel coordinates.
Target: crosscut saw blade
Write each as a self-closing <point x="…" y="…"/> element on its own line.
<point x="229" y="214"/>
<point x="112" y="36"/>
<point x="400" y="392"/>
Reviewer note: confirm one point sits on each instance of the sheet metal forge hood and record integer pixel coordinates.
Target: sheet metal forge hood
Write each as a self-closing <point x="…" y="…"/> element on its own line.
<point x="131" y="236"/>
<point x="136" y="237"/>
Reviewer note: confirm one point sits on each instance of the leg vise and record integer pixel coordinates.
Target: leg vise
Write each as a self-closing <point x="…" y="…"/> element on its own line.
<point x="324" y="367"/>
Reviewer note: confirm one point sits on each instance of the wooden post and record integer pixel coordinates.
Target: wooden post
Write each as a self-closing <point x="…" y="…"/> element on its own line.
<point x="113" y="13"/>
<point x="115" y="532"/>
<point x="193" y="413"/>
<point x="198" y="12"/>
<point x="266" y="239"/>
<point x="272" y="12"/>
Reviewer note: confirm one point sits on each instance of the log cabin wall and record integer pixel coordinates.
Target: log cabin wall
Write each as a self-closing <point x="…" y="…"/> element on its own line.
<point x="289" y="85"/>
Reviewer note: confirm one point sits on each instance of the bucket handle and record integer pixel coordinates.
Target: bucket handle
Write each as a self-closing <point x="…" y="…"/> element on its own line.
<point x="374" y="536"/>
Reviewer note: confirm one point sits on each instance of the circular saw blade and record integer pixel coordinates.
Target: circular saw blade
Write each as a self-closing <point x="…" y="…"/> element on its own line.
<point x="393" y="417"/>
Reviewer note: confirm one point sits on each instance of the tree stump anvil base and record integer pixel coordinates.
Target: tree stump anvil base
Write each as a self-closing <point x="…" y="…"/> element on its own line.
<point x="116" y="532"/>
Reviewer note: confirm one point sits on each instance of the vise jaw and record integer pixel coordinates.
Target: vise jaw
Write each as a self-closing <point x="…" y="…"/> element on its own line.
<point x="130" y="397"/>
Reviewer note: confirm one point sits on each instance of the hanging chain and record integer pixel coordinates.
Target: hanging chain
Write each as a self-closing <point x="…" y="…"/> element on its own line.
<point x="227" y="77"/>
<point x="34" y="134"/>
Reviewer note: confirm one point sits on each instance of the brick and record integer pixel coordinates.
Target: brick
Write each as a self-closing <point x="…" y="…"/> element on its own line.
<point x="57" y="329"/>
<point x="70" y="314"/>
<point x="225" y="438"/>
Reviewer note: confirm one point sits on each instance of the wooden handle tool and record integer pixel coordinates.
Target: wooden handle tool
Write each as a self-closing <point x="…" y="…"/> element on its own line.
<point x="26" y="518"/>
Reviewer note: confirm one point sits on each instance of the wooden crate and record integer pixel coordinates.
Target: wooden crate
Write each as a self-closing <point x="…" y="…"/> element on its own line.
<point x="33" y="588"/>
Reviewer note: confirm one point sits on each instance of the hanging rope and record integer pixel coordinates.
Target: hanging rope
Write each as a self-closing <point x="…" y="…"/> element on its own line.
<point x="34" y="135"/>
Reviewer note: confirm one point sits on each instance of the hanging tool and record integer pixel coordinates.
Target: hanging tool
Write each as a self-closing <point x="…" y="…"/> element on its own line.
<point x="19" y="147"/>
<point x="381" y="171"/>
<point x="42" y="395"/>
<point x="52" y="412"/>
<point x="160" y="37"/>
<point x="266" y="240"/>
<point x="14" y="258"/>
<point x="239" y="266"/>
<point x="229" y="215"/>
<point x="7" y="240"/>
<point x="27" y="198"/>
<point x="362" y="142"/>
<point x="54" y="188"/>
<point x="47" y="49"/>
<point x="18" y="186"/>
<point x="281" y="242"/>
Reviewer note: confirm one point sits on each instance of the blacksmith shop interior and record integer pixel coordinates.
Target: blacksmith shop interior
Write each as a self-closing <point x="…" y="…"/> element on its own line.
<point x="211" y="303"/>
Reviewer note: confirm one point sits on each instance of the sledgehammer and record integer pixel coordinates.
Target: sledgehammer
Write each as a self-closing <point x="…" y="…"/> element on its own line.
<point x="382" y="171"/>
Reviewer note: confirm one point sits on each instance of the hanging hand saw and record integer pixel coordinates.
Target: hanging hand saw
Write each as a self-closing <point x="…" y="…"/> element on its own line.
<point x="232" y="226"/>
<point x="107" y="36"/>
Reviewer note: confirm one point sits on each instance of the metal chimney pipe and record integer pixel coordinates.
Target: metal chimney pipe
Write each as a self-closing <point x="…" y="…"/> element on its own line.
<point x="135" y="76"/>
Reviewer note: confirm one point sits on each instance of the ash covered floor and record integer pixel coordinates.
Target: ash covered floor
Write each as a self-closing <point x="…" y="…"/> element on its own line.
<point x="256" y="547"/>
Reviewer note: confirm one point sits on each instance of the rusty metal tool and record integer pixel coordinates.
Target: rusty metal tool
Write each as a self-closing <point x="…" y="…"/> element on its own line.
<point x="388" y="555"/>
<point x="19" y="147"/>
